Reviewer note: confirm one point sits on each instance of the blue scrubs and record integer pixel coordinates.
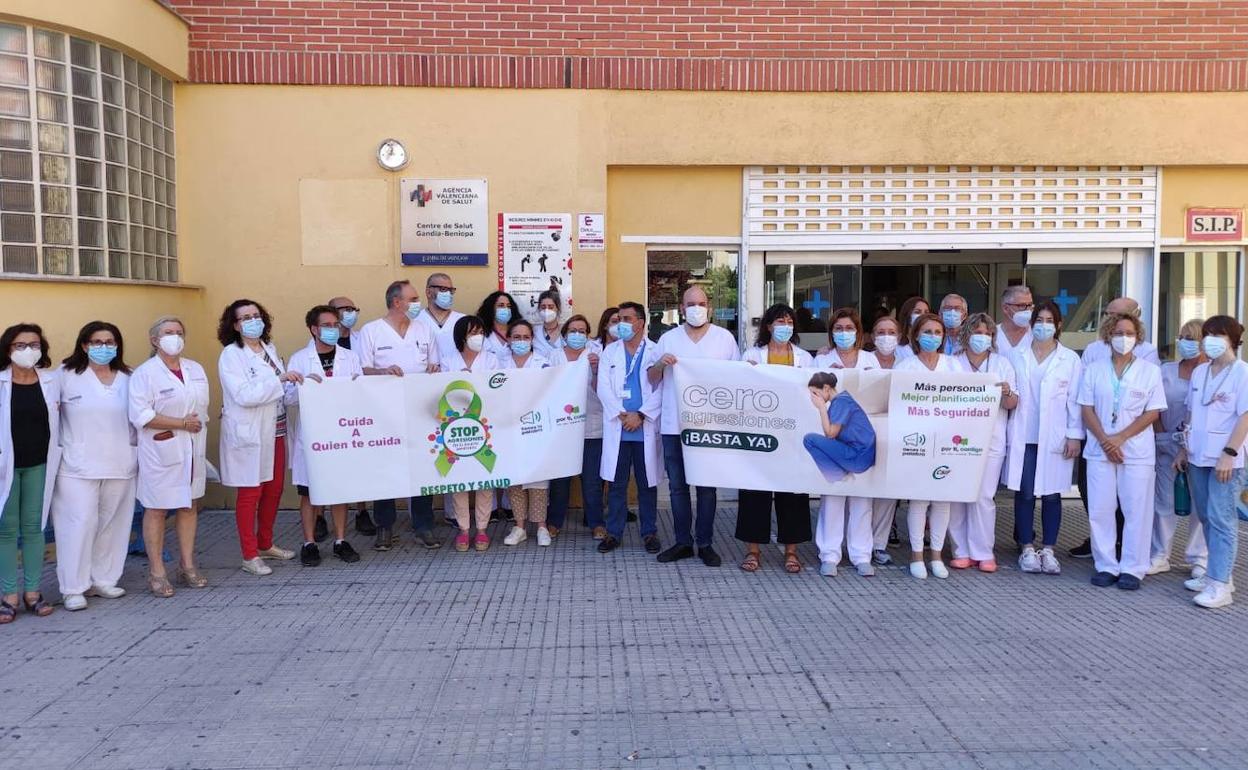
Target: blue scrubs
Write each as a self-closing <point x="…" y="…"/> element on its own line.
<point x="853" y="450"/>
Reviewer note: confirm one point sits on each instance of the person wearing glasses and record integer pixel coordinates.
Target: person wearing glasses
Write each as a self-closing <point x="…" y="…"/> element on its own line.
<point x="348" y="314"/>
<point x="254" y="443"/>
<point x="953" y="311"/>
<point x="93" y="502"/>
<point x="438" y="316"/>
<point x="1014" y="331"/>
<point x="548" y="337"/>
<point x="30" y="395"/>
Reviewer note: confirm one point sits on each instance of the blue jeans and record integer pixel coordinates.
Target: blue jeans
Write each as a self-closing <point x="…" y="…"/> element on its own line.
<point x="632" y="458"/>
<point x="421" y="508"/>
<point x="682" y="507"/>
<point x="1214" y="502"/>
<point x="591" y="489"/>
<point x="1025" y="505"/>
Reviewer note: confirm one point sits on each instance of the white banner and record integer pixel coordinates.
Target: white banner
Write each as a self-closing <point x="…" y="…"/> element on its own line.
<point x="744" y="427"/>
<point x="382" y="437"/>
<point x="444" y="222"/>
<point x="535" y="254"/>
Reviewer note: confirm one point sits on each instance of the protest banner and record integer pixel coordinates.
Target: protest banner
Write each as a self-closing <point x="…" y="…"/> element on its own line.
<point x="743" y="427"/>
<point x="382" y="437"/>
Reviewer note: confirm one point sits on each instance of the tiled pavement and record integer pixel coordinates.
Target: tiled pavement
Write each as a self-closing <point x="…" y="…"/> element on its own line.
<point x="563" y="658"/>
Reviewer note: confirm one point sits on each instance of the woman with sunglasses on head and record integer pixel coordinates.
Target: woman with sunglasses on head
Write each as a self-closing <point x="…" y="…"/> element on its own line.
<point x="578" y="345"/>
<point x="548" y="335"/>
<point x="528" y="501"/>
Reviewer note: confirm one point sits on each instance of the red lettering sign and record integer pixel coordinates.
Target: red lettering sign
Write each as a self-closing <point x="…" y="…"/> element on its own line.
<point x="1206" y="225"/>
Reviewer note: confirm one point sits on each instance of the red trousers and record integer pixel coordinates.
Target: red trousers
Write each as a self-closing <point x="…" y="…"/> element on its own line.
<point x="255" y="509"/>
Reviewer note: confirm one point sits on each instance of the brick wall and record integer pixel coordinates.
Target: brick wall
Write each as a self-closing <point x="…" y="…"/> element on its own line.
<point x="779" y="45"/>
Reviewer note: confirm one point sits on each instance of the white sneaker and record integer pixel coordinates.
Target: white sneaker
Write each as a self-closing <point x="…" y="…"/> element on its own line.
<point x="1049" y="564"/>
<point x="917" y="570"/>
<point x="865" y="569"/>
<point x="1196" y="584"/>
<point x="516" y="536"/>
<point x="881" y="557"/>
<point x="1215" y="595"/>
<point x="75" y="602"/>
<point x="280" y="554"/>
<point x="543" y="537"/>
<point x="107" y="592"/>
<point x="1198" y="570"/>
<point x="256" y="566"/>
<point x="827" y="569"/>
<point x="1159" y="565"/>
<point x="939" y="570"/>
<point x="1028" y="561"/>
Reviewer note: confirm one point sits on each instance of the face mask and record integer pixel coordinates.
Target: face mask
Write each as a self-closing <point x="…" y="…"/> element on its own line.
<point x="914" y="317"/>
<point x="1214" y="346"/>
<point x="444" y="300"/>
<point x="782" y="333"/>
<point x="980" y="343"/>
<point x="413" y="310"/>
<point x="886" y="344"/>
<point x="577" y="340"/>
<point x="475" y="342"/>
<point x="1022" y="318"/>
<point x="1189" y="349"/>
<point x="844" y="340"/>
<point x="1122" y="345"/>
<point x="695" y="315"/>
<point x="349" y="317"/>
<point x="252" y="328"/>
<point x="1044" y="331"/>
<point x="171" y="344"/>
<point x="329" y="335"/>
<point x="547" y="315"/>
<point x="951" y="318"/>
<point x="521" y="347"/>
<point x="25" y="358"/>
<point x="612" y="332"/>
<point x="102" y="356"/>
<point x="502" y="315"/>
<point x="624" y="331"/>
<point x="929" y="343"/>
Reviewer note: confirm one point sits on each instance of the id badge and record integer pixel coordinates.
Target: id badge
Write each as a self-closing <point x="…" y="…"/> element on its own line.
<point x="626" y="394"/>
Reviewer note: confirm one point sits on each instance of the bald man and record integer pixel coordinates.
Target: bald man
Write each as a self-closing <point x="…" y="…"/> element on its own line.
<point x="348" y="314"/>
<point x="438" y="315"/>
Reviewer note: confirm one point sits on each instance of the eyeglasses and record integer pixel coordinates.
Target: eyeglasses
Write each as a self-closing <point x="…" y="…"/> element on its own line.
<point x="451" y="289"/>
<point x="347" y="309"/>
<point x="97" y="344"/>
<point x="251" y="317"/>
<point x="1021" y="306"/>
<point x="28" y="346"/>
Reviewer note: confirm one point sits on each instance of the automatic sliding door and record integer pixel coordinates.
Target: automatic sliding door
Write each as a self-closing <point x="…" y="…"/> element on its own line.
<point x="814" y="292"/>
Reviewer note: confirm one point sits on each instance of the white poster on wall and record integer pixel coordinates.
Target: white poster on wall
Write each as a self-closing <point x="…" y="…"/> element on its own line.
<point x="535" y="254"/>
<point x="591" y="232"/>
<point x="444" y="222"/>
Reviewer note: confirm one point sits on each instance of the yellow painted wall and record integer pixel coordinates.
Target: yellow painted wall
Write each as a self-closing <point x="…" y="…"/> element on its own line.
<point x="1199" y="186"/>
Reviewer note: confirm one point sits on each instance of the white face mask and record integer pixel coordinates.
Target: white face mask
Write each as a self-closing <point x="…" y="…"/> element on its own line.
<point x="886" y="343"/>
<point x="1022" y="318"/>
<point x="26" y="359"/>
<point x="611" y="332"/>
<point x="171" y="344"/>
<point x="696" y="315"/>
<point x="1122" y="345"/>
<point x="475" y="342"/>
<point x="547" y="315"/>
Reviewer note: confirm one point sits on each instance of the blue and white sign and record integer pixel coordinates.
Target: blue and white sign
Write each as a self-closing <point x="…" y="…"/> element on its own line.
<point x="444" y="222"/>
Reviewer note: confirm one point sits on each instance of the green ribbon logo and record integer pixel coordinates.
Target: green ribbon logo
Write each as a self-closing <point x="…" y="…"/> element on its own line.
<point x="461" y="435"/>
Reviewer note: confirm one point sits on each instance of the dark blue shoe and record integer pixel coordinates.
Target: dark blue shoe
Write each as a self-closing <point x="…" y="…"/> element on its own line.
<point x="1105" y="580"/>
<point x="1128" y="582"/>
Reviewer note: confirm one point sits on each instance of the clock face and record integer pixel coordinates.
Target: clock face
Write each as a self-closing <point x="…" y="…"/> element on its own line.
<point x="392" y="155"/>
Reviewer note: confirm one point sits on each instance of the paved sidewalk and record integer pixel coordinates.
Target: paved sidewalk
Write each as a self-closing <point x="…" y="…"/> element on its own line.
<point x="562" y="658"/>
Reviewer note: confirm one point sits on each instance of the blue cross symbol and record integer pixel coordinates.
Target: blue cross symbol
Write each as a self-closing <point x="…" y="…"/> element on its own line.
<point x="817" y="304"/>
<point x="1065" y="302"/>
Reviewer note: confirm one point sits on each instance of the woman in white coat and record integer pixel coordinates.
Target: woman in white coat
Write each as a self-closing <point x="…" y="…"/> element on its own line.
<point x="548" y="336"/>
<point x="631" y="407"/>
<point x="30" y="453"/>
<point x="321" y="358"/>
<point x="754" y="507"/>
<point x="973" y="526"/>
<point x="844" y="519"/>
<point x="470" y="356"/>
<point x="886" y="347"/>
<point x="528" y="501"/>
<point x="927" y="338"/>
<point x="93" y="503"/>
<point x="1044" y="438"/>
<point x="578" y="345"/>
<point x="253" y="428"/>
<point x="169" y="408"/>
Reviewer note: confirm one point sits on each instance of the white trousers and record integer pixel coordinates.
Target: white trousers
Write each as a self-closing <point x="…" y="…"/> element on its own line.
<point x="836" y="527"/>
<point x="92" y="519"/>
<point x="973" y="526"/>
<point x="1165" y="522"/>
<point x="1132" y="487"/>
<point x="882" y="512"/>
<point x="935" y="514"/>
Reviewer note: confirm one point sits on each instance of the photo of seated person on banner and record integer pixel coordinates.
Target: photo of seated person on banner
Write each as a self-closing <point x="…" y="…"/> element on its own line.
<point x="847" y="443"/>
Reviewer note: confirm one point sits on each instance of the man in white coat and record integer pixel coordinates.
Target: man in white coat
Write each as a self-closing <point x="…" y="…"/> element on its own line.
<point x="631" y="406"/>
<point x="348" y="314"/>
<point x="1014" y="331"/>
<point x="697" y="337"/>
<point x="438" y="316"/>
<point x="398" y="344"/>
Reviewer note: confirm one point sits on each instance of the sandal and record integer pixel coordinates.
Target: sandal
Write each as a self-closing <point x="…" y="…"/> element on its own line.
<point x="41" y="608"/>
<point x="190" y="577"/>
<point x="159" y="586"/>
<point x="792" y="564"/>
<point x="751" y="562"/>
<point x="8" y="613"/>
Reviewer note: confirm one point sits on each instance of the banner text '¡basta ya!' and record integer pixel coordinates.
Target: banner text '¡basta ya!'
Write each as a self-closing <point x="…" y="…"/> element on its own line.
<point x="745" y="403"/>
<point x="356" y="440"/>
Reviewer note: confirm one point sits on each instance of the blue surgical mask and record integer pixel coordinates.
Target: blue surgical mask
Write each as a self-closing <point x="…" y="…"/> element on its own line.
<point x="1044" y="331"/>
<point x="980" y="343"/>
<point x="782" y="333"/>
<point x="951" y="318"/>
<point x="349" y="317"/>
<point x="521" y="347"/>
<point x="329" y="335"/>
<point x="444" y="300"/>
<point x="413" y="310"/>
<point x="624" y="330"/>
<point x="1189" y="349"/>
<point x="253" y="328"/>
<point x="577" y="340"/>
<point x="1213" y="346"/>
<point x="102" y="355"/>
<point x="502" y="315"/>
<point x="929" y="343"/>
<point x="844" y="340"/>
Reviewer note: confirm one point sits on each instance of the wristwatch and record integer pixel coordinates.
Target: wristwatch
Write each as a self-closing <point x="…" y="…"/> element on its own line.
<point x="1226" y="450"/>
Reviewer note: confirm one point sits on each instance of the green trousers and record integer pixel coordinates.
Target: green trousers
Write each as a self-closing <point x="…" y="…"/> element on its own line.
<point x="23" y="514"/>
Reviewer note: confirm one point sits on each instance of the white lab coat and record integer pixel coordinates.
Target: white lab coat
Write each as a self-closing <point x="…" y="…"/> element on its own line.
<point x="172" y="473"/>
<point x="832" y="360"/>
<point x="1060" y="419"/>
<point x="454" y="362"/>
<point x="611" y="375"/>
<point x="443" y="335"/>
<point x="97" y="439"/>
<point x="251" y="392"/>
<point x="306" y="361"/>
<point x="50" y="384"/>
<point x="757" y="354"/>
<point x="536" y="361"/>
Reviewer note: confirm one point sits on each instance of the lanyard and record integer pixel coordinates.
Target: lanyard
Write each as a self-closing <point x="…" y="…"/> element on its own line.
<point x="1205" y="398"/>
<point x="1118" y="388"/>
<point x="632" y="365"/>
